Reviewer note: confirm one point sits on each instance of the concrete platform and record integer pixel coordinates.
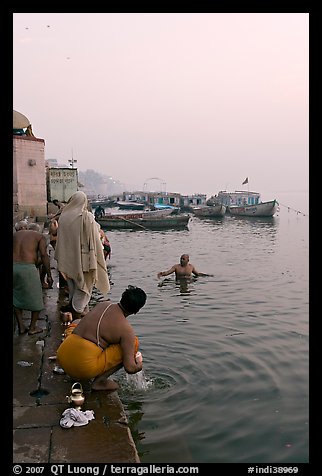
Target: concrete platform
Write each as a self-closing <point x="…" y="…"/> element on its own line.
<point x="39" y="399"/>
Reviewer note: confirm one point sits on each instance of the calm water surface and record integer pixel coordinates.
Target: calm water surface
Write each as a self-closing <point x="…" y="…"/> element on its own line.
<point x="226" y="357"/>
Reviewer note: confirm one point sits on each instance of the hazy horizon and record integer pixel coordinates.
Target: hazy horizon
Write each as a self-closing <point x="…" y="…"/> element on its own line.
<point x="196" y="101"/>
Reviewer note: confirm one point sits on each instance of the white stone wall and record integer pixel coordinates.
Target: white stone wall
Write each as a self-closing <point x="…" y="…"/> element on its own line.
<point x="29" y="176"/>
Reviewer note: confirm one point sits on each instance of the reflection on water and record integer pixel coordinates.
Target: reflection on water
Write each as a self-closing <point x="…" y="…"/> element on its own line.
<point x="134" y="410"/>
<point x="185" y="285"/>
<point x="225" y="357"/>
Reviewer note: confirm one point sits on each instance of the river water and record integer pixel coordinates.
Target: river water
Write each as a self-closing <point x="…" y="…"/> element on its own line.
<point x="226" y="357"/>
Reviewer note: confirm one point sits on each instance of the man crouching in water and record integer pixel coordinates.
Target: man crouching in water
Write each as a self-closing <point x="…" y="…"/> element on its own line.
<point x="103" y="341"/>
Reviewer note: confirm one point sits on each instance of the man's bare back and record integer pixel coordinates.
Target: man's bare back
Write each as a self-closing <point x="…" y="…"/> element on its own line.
<point x="106" y="326"/>
<point x="28" y="246"/>
<point x="113" y="329"/>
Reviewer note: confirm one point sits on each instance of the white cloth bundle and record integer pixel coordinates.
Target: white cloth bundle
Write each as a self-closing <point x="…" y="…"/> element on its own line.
<point x="73" y="417"/>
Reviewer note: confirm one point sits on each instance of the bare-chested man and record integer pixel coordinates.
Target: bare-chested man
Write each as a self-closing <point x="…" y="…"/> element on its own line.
<point x="183" y="269"/>
<point x="28" y="246"/>
<point x="103" y="341"/>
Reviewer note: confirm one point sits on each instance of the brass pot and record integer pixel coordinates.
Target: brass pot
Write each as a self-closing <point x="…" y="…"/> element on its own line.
<point x="76" y="396"/>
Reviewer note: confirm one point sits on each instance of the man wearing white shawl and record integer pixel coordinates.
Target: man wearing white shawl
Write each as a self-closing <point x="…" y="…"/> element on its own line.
<point x="79" y="253"/>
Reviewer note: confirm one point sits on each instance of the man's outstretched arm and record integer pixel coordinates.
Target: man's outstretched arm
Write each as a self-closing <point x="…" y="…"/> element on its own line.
<point x="166" y="273"/>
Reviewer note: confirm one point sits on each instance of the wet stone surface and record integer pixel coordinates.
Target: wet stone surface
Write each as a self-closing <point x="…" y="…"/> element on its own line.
<point x="40" y="398"/>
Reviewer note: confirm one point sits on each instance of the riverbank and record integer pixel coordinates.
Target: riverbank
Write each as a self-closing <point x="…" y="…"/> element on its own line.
<point x="39" y="399"/>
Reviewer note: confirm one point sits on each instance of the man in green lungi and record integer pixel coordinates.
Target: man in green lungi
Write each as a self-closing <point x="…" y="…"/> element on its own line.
<point x="27" y="289"/>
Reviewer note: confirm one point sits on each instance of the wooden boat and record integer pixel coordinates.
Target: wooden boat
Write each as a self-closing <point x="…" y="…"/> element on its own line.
<point x="162" y="212"/>
<point x="162" y="206"/>
<point x="137" y="222"/>
<point x="262" y="209"/>
<point x="245" y="203"/>
<point x="209" y="211"/>
<point x="101" y="202"/>
<point x="130" y="205"/>
<point x="140" y="214"/>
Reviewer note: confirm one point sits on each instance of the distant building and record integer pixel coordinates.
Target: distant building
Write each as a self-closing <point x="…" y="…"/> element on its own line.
<point x="193" y="200"/>
<point x="51" y="163"/>
<point x="164" y="198"/>
<point x="151" y="198"/>
<point x="62" y="183"/>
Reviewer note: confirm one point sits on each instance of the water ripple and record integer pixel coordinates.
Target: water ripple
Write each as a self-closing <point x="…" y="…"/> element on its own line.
<point x="225" y="357"/>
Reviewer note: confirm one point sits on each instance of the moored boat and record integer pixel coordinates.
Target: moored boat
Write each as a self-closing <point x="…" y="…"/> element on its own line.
<point x="138" y="213"/>
<point x="245" y="203"/>
<point x="209" y="211"/>
<point x="101" y="202"/>
<point x="162" y="212"/>
<point x="130" y="205"/>
<point x="263" y="209"/>
<point x="162" y="206"/>
<point x="138" y="221"/>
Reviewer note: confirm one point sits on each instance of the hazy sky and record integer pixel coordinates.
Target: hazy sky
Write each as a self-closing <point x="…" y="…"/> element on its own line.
<point x="195" y="101"/>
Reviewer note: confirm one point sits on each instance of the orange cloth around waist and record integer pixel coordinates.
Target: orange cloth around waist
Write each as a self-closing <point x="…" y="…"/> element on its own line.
<point x="82" y="359"/>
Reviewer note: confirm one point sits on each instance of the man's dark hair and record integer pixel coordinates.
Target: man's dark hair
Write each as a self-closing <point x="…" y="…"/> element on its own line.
<point x="133" y="299"/>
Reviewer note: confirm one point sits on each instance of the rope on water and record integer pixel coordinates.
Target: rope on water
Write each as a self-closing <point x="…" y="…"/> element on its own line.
<point x="298" y="212"/>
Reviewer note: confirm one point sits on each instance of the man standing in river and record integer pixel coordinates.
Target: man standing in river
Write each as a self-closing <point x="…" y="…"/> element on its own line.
<point x="183" y="269"/>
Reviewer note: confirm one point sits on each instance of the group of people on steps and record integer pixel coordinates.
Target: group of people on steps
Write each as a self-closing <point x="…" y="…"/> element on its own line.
<point x="101" y="341"/>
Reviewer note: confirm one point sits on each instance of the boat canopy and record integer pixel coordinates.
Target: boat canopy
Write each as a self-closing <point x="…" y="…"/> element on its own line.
<point x="239" y="198"/>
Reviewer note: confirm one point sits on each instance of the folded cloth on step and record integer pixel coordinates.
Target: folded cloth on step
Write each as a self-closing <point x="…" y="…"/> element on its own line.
<point x="73" y="417"/>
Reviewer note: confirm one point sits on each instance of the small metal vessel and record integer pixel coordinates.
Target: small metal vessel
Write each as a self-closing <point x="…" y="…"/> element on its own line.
<point x="66" y="318"/>
<point x="76" y="396"/>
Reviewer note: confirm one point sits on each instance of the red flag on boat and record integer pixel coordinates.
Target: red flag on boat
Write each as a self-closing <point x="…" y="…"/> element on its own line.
<point x="245" y="181"/>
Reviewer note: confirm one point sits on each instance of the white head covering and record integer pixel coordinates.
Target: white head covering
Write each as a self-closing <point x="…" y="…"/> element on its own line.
<point x="21" y="225"/>
<point x="79" y="252"/>
<point x="34" y="226"/>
